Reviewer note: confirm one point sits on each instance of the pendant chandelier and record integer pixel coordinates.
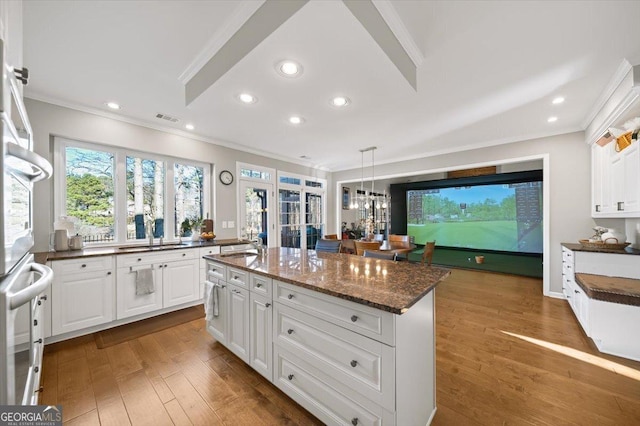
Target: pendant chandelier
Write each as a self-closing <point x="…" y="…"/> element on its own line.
<point x="368" y="199"/>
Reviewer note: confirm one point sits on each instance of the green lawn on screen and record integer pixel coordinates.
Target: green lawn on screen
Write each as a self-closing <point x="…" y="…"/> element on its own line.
<point x="493" y="235"/>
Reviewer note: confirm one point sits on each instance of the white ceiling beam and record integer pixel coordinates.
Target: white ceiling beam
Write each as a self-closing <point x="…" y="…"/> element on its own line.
<point x="268" y="18"/>
<point x="369" y="16"/>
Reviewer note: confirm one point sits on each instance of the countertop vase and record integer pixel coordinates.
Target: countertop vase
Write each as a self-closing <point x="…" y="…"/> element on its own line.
<point x="614" y="236"/>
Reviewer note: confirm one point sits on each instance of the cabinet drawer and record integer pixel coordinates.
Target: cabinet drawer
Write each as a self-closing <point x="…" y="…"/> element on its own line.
<point x="74" y="266"/>
<point x="362" y="319"/>
<point x="204" y="251"/>
<point x="362" y="364"/>
<point x="261" y="285"/>
<point x="238" y="277"/>
<point x="332" y="407"/>
<point x="138" y="259"/>
<point x="216" y="271"/>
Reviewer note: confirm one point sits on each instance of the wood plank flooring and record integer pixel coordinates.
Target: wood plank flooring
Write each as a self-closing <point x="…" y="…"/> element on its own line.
<point x="485" y="376"/>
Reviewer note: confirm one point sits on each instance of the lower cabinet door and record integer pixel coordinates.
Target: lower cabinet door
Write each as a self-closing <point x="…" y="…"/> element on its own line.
<point x="128" y="303"/>
<point x="309" y="390"/>
<point x="238" y="335"/>
<point x="180" y="282"/>
<point x="261" y="337"/>
<point x="218" y="326"/>
<point x="81" y="300"/>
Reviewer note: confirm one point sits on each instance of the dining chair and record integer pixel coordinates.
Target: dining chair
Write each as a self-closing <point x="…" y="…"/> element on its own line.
<point x="395" y="239"/>
<point x="329" y="246"/>
<point x="386" y="255"/>
<point x="361" y="246"/>
<point x="331" y="237"/>
<point x="427" y="254"/>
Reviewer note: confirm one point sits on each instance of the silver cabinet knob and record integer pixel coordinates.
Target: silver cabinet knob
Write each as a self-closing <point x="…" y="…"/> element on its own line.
<point x="354" y="421"/>
<point x="267" y="305"/>
<point x="139" y="260"/>
<point x="354" y="318"/>
<point x="109" y="273"/>
<point x="258" y="285"/>
<point x="84" y="265"/>
<point x="290" y="296"/>
<point x="290" y="377"/>
<point x="184" y="254"/>
<point x="290" y="331"/>
<point x="354" y="362"/>
<point x="576" y="291"/>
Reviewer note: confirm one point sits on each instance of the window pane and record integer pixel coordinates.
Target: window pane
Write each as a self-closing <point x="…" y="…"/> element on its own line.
<point x="89" y="189"/>
<point x="313" y="205"/>
<point x="189" y="192"/>
<point x="256" y="174"/>
<point x="313" y="184"/>
<point x="145" y="198"/>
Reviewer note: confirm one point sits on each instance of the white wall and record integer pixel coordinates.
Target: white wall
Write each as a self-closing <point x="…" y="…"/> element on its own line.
<point x="569" y="183"/>
<point x="49" y="120"/>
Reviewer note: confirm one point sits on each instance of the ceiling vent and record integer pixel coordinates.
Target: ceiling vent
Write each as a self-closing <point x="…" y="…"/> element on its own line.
<point x="167" y="117"/>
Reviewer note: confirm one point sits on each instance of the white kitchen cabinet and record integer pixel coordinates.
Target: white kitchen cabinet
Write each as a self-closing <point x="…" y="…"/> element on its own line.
<point x="218" y="326"/>
<point x="82" y="294"/>
<point x="175" y="276"/>
<point x="180" y="282"/>
<point x="261" y="334"/>
<point x="204" y="251"/>
<point x="616" y="175"/>
<point x="238" y="311"/>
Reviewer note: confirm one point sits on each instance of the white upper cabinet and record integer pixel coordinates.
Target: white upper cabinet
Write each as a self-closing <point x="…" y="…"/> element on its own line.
<point x="615" y="175"/>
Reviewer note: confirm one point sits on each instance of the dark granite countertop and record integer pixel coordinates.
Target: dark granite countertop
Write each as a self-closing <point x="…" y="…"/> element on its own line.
<point x="625" y="291"/>
<point x="42" y="257"/>
<point x="382" y="284"/>
<point x="580" y="247"/>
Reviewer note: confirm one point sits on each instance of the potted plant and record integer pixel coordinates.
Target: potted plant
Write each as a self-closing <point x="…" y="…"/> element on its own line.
<point x="196" y="227"/>
<point x="185" y="228"/>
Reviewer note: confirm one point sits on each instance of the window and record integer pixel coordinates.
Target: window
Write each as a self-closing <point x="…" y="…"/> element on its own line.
<point x="116" y="195"/>
<point x="145" y="197"/>
<point x="189" y="191"/>
<point x="89" y="184"/>
<point x="254" y="174"/>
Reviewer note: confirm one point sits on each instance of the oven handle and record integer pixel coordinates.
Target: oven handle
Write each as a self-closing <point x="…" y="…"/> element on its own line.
<point x="44" y="167"/>
<point x="23" y="296"/>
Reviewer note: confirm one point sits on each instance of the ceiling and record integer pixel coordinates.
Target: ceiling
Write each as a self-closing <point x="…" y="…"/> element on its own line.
<point x="487" y="72"/>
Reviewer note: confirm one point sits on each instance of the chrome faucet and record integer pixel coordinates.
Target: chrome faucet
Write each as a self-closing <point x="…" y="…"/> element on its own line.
<point x="150" y="226"/>
<point x="258" y="245"/>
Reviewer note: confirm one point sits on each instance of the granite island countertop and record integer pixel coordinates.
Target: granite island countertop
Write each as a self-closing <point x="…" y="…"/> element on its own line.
<point x="625" y="291"/>
<point x="43" y="257"/>
<point x="382" y="284"/>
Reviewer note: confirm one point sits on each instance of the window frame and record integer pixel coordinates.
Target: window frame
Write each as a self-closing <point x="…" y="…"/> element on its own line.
<point x="120" y="186"/>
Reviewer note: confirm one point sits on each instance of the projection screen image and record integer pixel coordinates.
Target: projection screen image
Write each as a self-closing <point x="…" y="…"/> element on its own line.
<point x="503" y="217"/>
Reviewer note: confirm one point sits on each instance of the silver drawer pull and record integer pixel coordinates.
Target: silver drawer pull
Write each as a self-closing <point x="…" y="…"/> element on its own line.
<point x="109" y="273"/>
<point x="290" y="296"/>
<point x="267" y="305"/>
<point x="576" y="291"/>
<point x="290" y="377"/>
<point x="354" y="421"/>
<point x="354" y="318"/>
<point x="38" y="341"/>
<point x="258" y="285"/>
<point x="354" y="362"/>
<point x="84" y="265"/>
<point x="139" y="260"/>
<point x="184" y="254"/>
<point x="235" y="277"/>
<point x="223" y="286"/>
<point x="290" y="331"/>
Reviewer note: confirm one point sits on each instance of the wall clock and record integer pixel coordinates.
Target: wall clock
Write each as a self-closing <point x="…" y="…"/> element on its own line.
<point x="226" y="177"/>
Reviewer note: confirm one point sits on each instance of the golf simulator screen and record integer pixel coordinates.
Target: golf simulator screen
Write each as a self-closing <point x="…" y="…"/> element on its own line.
<point x="493" y="216"/>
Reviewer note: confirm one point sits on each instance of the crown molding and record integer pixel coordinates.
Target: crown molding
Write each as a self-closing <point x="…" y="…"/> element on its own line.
<point x="239" y="17"/>
<point x="398" y="28"/>
<point x="616" y="79"/>
<point x="154" y="126"/>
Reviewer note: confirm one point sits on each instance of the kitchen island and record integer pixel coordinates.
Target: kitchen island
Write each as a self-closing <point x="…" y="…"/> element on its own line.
<point x="349" y="338"/>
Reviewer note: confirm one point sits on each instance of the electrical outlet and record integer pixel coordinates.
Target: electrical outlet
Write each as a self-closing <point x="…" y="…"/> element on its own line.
<point x="224" y="224"/>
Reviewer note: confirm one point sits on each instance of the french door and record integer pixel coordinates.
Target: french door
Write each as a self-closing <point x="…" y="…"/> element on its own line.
<point x="301" y="223"/>
<point x="256" y="220"/>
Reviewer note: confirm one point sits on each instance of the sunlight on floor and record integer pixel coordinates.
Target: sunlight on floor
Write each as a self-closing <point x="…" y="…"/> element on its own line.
<point x="582" y="356"/>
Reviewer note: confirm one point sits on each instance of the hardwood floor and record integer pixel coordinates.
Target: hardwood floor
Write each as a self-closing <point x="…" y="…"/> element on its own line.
<point x="485" y="376"/>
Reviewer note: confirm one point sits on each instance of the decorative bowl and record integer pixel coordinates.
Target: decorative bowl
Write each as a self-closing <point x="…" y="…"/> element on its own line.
<point x="603" y="245"/>
<point x="207" y="237"/>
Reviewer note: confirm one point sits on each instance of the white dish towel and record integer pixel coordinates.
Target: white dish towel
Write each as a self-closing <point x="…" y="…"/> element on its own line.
<point x="144" y="282"/>
<point x="211" y="299"/>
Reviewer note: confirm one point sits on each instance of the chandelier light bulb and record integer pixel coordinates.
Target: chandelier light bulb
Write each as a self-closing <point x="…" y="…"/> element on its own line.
<point x="384" y="205"/>
<point x="377" y="206"/>
<point x="355" y="206"/>
<point x="366" y="206"/>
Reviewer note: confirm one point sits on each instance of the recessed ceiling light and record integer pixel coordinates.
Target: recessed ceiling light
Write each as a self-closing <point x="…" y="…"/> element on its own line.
<point x="340" y="101"/>
<point x="552" y="119"/>
<point x="558" y="100"/>
<point x="189" y="126"/>
<point x="296" y="119"/>
<point x="247" y="98"/>
<point x="113" y="105"/>
<point x="289" y="68"/>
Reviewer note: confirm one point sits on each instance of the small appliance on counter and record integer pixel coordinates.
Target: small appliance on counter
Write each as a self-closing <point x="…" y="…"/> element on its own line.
<point x="76" y="242"/>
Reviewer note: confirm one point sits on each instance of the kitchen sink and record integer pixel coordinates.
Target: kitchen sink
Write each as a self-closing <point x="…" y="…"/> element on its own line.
<point x="168" y="246"/>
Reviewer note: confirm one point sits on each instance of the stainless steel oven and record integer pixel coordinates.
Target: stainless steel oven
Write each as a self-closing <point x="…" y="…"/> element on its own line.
<point x="22" y="282"/>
